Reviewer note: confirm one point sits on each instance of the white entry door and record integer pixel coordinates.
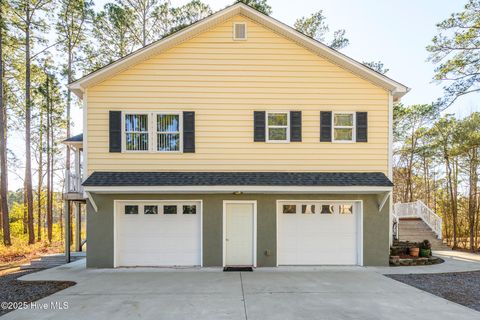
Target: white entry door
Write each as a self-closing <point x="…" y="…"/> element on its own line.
<point x="239" y="233"/>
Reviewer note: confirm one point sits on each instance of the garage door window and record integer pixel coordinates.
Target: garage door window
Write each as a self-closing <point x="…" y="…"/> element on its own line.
<point x="327" y="209"/>
<point x="346" y="209"/>
<point x="150" y="209"/>
<point x="308" y="208"/>
<point x="169" y="209"/>
<point x="289" y="208"/>
<point x="190" y="209"/>
<point x="131" y="209"/>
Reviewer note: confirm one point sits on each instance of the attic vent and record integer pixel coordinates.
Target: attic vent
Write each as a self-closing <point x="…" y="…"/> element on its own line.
<point x="240" y="31"/>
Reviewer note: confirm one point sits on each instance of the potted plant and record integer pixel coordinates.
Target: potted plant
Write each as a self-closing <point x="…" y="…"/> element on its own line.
<point x="425" y="249"/>
<point x="414" y="251"/>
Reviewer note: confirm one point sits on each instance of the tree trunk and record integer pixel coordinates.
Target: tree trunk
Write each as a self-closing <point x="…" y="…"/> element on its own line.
<point x="24" y="220"/>
<point x="61" y="222"/>
<point x="40" y="176"/>
<point x="49" y="165"/>
<point x="69" y="100"/>
<point x="52" y="170"/>
<point x="144" y="27"/>
<point x="472" y="199"/>
<point x="28" y="153"/>
<point x="453" y="205"/>
<point x="3" y="149"/>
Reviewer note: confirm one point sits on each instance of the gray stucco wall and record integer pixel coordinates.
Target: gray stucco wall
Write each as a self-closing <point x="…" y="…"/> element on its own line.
<point x="100" y="226"/>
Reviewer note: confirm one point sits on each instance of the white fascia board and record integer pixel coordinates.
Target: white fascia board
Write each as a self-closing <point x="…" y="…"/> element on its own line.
<point x="77" y="89"/>
<point x="235" y="189"/>
<point x="75" y="144"/>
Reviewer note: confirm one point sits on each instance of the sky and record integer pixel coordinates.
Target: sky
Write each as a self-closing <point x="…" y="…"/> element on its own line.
<point x="395" y="33"/>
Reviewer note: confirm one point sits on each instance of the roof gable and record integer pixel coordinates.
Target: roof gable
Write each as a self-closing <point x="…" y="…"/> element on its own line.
<point x="78" y="86"/>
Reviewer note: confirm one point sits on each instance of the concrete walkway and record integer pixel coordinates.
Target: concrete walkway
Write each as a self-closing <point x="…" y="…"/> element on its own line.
<point x="455" y="261"/>
<point x="283" y="293"/>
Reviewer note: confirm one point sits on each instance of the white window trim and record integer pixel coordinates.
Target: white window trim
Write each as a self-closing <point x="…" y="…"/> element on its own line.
<point x="353" y="127"/>
<point x="124" y="139"/>
<point x="267" y="135"/>
<point x="155" y="132"/>
<point x="234" y="33"/>
<point x="152" y="131"/>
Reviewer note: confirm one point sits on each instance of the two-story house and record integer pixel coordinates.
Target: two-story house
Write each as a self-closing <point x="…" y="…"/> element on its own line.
<point x="237" y="141"/>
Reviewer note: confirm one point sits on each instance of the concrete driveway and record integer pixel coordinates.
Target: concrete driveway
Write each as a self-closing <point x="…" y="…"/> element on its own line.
<point x="295" y="293"/>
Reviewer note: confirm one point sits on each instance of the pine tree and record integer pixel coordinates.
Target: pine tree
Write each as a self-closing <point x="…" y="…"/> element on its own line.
<point x="30" y="14"/>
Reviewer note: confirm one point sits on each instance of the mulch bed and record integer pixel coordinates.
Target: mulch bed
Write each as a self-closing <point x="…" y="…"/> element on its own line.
<point x="13" y="290"/>
<point x="460" y="287"/>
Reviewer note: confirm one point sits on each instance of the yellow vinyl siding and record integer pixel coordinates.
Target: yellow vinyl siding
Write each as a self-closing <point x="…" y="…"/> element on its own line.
<point x="224" y="81"/>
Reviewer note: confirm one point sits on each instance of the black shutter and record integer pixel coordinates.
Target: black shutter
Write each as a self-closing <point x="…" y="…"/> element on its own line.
<point x="326" y="126"/>
<point x="296" y="126"/>
<point x="115" y="129"/>
<point x="362" y="127"/>
<point x="259" y="126"/>
<point x="188" y="132"/>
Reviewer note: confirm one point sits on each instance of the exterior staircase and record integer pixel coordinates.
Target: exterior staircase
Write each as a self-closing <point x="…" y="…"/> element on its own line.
<point x="415" y="230"/>
<point x="415" y="222"/>
<point x="51" y="260"/>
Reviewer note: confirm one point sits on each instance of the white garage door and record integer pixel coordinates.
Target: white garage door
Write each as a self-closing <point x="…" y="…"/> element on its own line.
<point x="158" y="233"/>
<point x="318" y="233"/>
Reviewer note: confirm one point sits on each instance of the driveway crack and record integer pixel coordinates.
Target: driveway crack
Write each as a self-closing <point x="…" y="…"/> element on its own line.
<point x="243" y="297"/>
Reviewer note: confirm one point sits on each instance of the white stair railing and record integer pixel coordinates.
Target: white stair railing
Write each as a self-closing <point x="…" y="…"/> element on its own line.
<point x="418" y="209"/>
<point x="74" y="183"/>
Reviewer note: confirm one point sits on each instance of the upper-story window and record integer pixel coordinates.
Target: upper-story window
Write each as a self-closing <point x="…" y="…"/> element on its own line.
<point x="278" y="126"/>
<point x="136" y="132"/>
<point x="168" y="132"/>
<point x="155" y="132"/>
<point x="343" y="127"/>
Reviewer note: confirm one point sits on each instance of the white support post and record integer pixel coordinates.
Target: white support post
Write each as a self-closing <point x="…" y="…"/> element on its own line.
<point x="66" y="229"/>
<point x="418" y="208"/>
<point x="78" y="227"/>
<point x="67" y="175"/>
<point x="78" y="181"/>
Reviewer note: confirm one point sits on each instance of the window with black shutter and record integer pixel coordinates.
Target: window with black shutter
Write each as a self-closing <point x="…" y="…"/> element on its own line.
<point x="188" y="131"/>
<point x="362" y="126"/>
<point x="326" y="126"/>
<point x="115" y="131"/>
<point x="259" y="126"/>
<point x="296" y="126"/>
<point x="343" y="127"/>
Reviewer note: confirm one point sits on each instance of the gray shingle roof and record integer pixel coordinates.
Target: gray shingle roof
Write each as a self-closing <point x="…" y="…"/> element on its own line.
<point x="238" y="179"/>
<point x="77" y="138"/>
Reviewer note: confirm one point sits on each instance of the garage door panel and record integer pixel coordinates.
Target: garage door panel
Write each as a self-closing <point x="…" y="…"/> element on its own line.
<point x="167" y="245"/>
<point x="317" y="239"/>
<point x="158" y="239"/>
<point x="164" y="259"/>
